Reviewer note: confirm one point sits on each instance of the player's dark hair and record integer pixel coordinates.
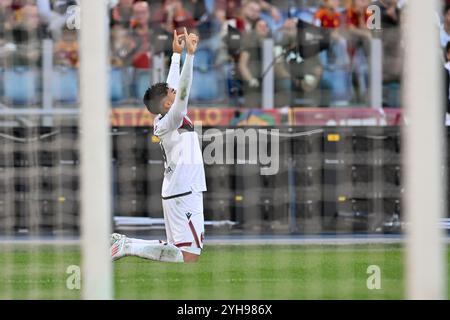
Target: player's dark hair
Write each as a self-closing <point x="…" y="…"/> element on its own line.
<point x="446" y="51"/>
<point x="154" y="95"/>
<point x="446" y="8"/>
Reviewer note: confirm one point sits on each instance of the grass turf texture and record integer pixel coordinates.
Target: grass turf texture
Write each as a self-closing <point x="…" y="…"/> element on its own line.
<point x="224" y="272"/>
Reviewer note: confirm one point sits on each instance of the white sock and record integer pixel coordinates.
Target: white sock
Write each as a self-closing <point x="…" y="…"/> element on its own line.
<point x="134" y="240"/>
<point x="154" y="250"/>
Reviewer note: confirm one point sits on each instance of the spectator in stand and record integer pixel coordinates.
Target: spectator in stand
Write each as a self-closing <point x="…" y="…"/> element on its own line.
<point x="272" y="9"/>
<point x="328" y="16"/>
<point x="299" y="79"/>
<point x="6" y="14"/>
<point x="250" y="64"/>
<point x="172" y="15"/>
<point x="27" y="34"/>
<point x="66" y="49"/>
<point x="251" y="14"/>
<point x="358" y="36"/>
<point x="122" y="46"/>
<point x="445" y="27"/>
<point x="6" y="21"/>
<point x="6" y="24"/>
<point x="336" y="60"/>
<point x="392" y="51"/>
<point x="17" y="5"/>
<point x="243" y="13"/>
<point x="197" y="8"/>
<point x="239" y="17"/>
<point x="228" y="9"/>
<point x="141" y="34"/>
<point x="356" y="17"/>
<point x="207" y="23"/>
<point x="55" y="15"/>
<point x="122" y="13"/>
<point x="148" y="39"/>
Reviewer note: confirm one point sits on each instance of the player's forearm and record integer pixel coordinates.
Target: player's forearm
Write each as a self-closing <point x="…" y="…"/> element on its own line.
<point x="173" y="79"/>
<point x="184" y="88"/>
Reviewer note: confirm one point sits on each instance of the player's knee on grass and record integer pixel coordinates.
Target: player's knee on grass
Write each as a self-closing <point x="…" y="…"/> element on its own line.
<point x="190" y="257"/>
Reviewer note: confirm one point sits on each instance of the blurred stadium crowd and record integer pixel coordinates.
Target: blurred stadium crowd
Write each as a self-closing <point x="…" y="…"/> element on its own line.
<point x="228" y="68"/>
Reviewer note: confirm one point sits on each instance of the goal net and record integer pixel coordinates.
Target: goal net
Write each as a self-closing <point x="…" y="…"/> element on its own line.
<point x="325" y="176"/>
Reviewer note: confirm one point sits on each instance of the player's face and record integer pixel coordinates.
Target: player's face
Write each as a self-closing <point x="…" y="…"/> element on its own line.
<point x="447" y="17"/>
<point x="169" y="100"/>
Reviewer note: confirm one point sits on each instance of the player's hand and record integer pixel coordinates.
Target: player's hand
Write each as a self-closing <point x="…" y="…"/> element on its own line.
<point x="191" y="42"/>
<point x="178" y="43"/>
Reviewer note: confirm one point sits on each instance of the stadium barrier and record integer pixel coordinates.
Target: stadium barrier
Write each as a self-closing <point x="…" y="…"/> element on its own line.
<point x="330" y="179"/>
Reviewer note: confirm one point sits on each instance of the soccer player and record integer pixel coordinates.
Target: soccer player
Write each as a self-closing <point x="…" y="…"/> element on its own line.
<point x="184" y="176"/>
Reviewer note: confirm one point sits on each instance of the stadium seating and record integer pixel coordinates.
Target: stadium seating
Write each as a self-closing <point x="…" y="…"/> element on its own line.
<point x="119" y="85"/>
<point x="22" y="85"/>
<point x="336" y="75"/>
<point x="65" y="84"/>
<point x="339" y="83"/>
<point x="392" y="95"/>
<point x="141" y="81"/>
<point x="206" y="83"/>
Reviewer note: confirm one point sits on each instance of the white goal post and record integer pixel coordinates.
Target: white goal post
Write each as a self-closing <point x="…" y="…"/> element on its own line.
<point x="95" y="152"/>
<point x="424" y="153"/>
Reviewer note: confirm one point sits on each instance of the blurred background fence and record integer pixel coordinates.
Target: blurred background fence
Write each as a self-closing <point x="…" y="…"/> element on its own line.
<point x="321" y="53"/>
<point x="330" y="179"/>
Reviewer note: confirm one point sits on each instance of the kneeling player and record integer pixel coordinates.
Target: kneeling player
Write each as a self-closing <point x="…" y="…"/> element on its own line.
<point x="184" y="176"/>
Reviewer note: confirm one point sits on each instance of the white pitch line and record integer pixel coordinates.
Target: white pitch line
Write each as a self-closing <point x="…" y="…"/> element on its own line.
<point x="296" y="241"/>
<point x="216" y="241"/>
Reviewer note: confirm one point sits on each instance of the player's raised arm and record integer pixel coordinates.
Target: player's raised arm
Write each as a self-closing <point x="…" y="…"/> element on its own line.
<point x="179" y="108"/>
<point x="178" y="44"/>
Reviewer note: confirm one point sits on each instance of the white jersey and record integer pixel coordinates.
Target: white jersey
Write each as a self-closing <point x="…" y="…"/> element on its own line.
<point x="180" y="145"/>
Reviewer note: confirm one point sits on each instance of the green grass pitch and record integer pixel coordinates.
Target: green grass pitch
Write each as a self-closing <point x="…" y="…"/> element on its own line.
<point x="224" y="272"/>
